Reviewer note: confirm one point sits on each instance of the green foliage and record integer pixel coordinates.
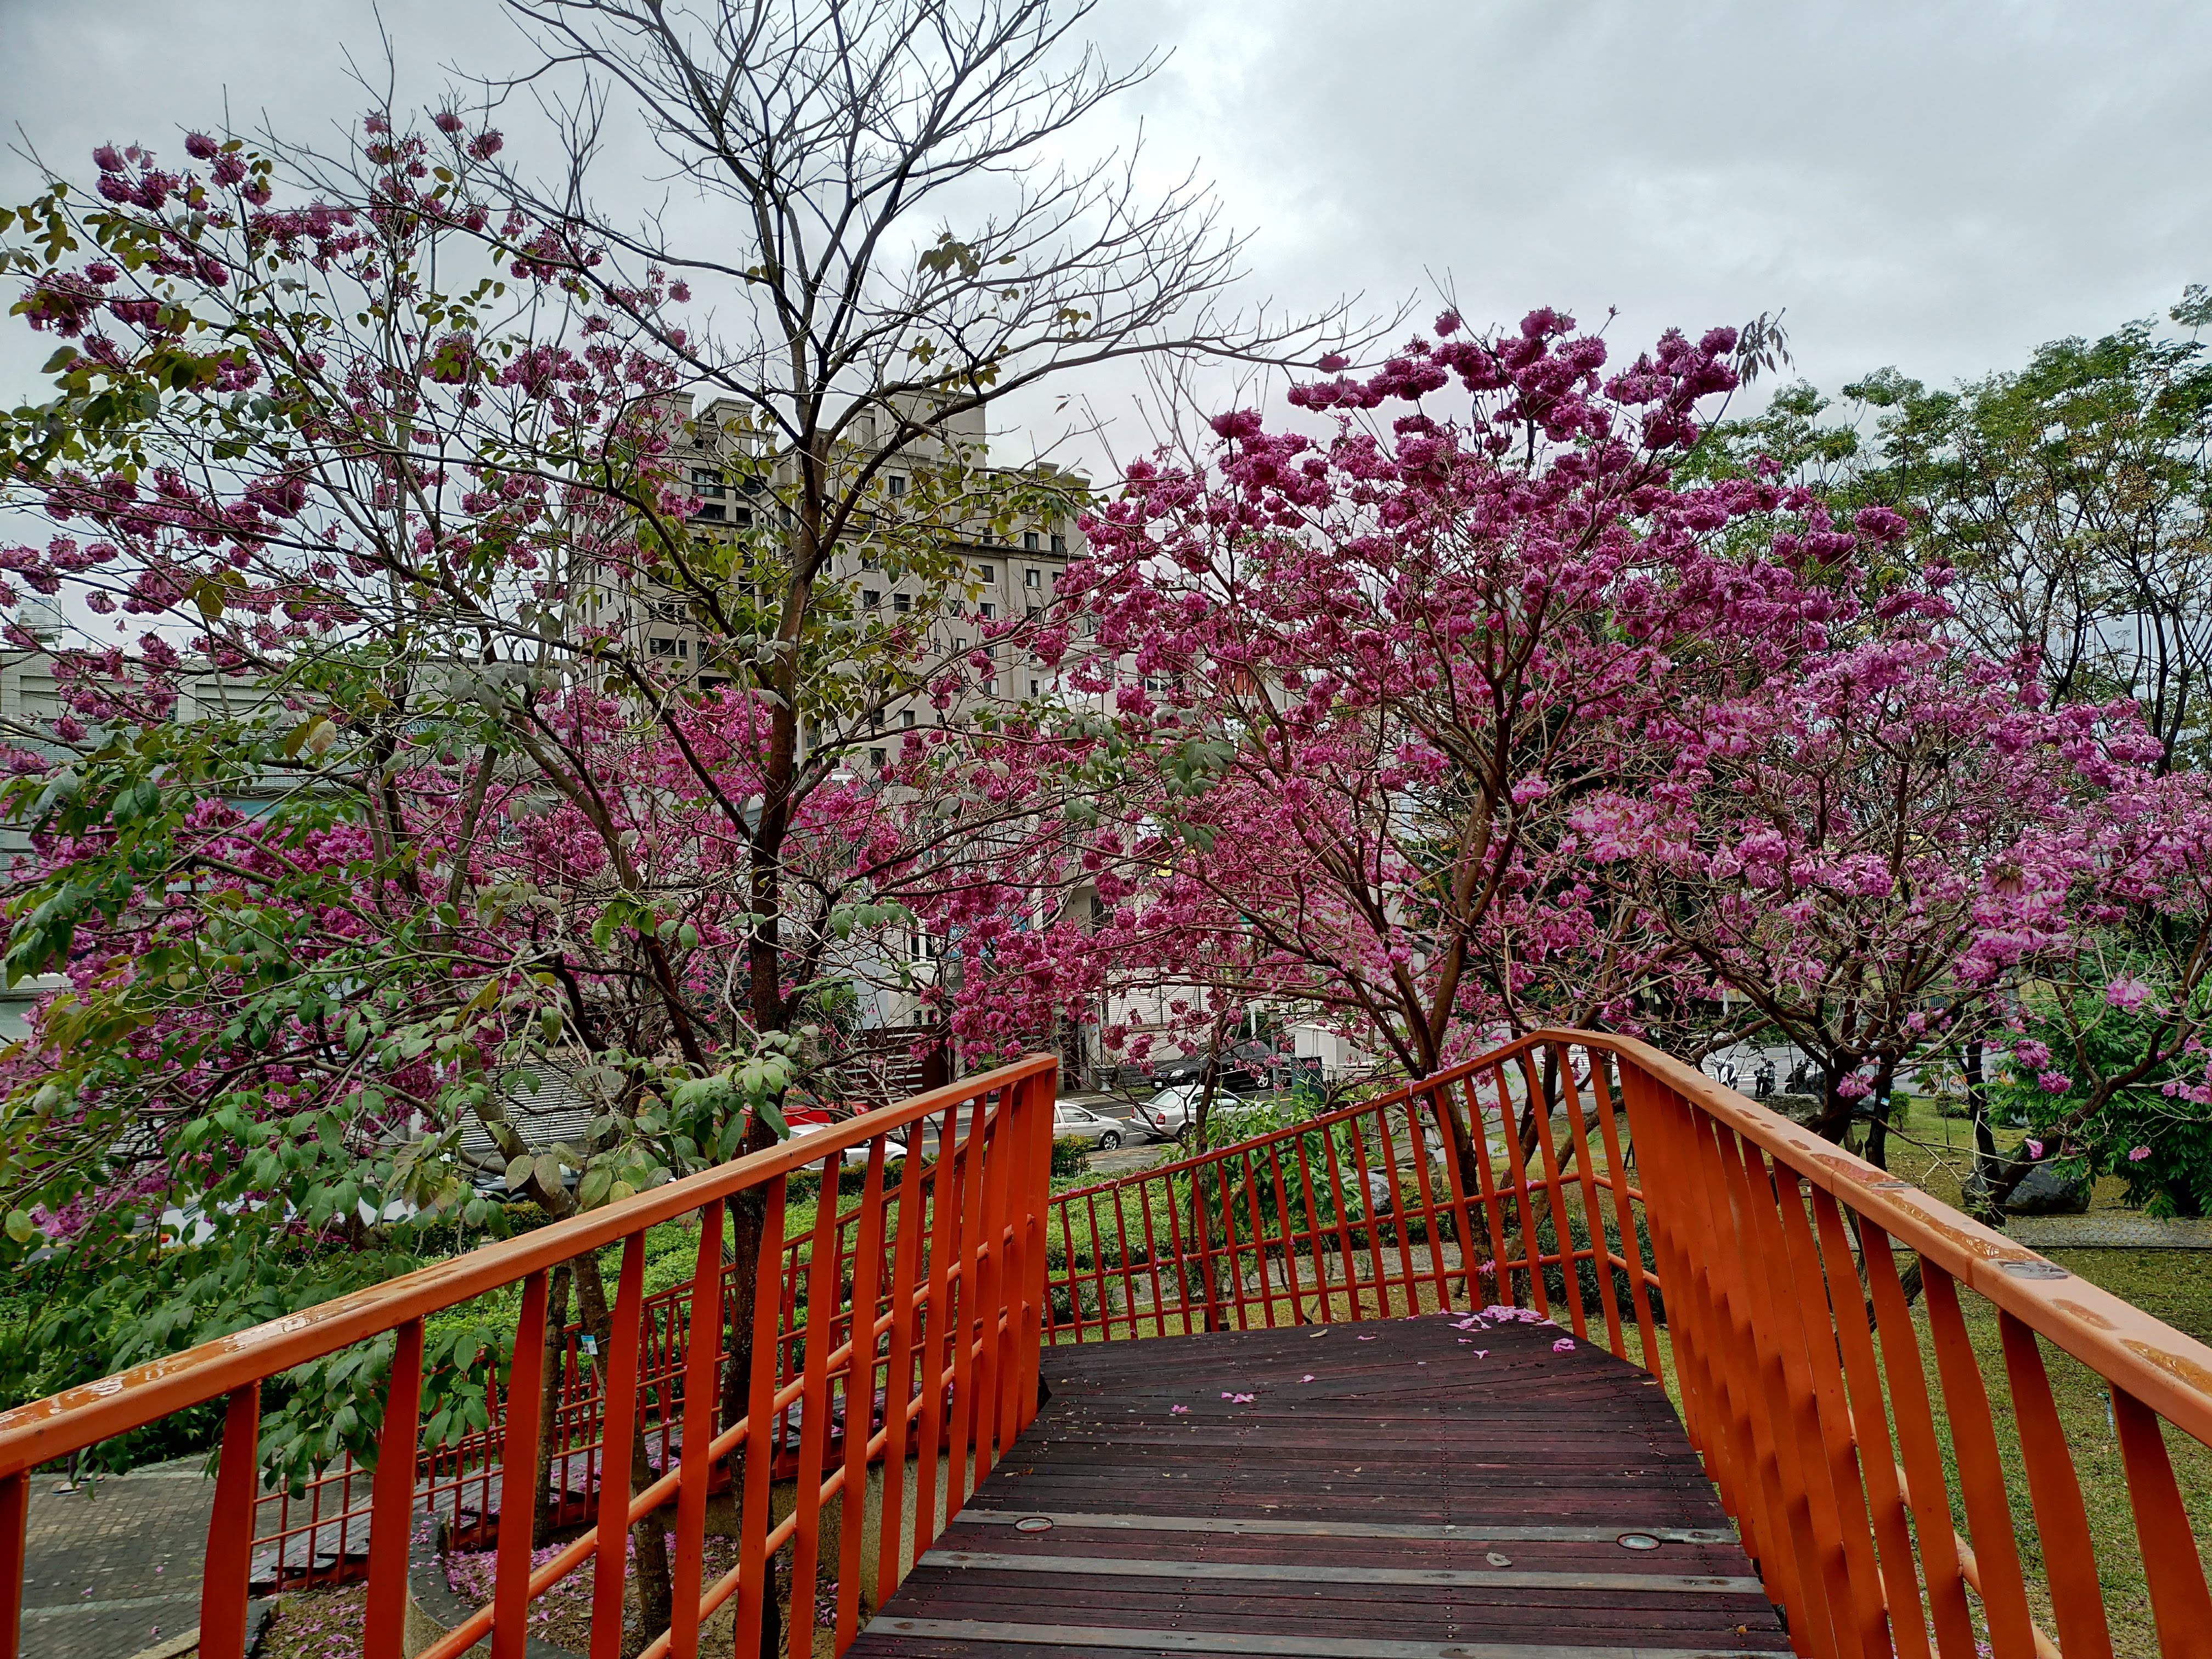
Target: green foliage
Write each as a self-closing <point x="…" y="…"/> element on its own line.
<point x="1071" y="1157"/>
<point x="2160" y="1145"/>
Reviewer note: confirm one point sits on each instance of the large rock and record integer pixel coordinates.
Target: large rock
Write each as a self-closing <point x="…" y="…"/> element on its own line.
<point x="2046" y="1192"/>
<point x="1802" y="1109"/>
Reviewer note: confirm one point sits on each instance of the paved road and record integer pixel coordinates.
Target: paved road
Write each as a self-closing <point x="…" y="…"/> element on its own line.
<point x="114" y="1567"/>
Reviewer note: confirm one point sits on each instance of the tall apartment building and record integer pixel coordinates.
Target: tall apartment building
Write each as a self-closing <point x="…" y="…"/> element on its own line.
<point x="1012" y="570"/>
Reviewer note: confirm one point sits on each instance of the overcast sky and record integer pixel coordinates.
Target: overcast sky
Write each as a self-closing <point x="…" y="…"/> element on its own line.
<point x="1935" y="186"/>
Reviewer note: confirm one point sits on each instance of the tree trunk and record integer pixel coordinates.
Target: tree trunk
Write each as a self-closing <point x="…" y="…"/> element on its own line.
<point x="748" y="1227"/>
<point x="557" y="1328"/>
<point x="649" y="1538"/>
<point x="1980" y="1186"/>
<point x="1206" y="1221"/>
<point x="1877" y="1151"/>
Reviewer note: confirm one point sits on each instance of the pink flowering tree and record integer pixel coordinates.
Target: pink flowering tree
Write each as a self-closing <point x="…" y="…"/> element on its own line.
<point x="1867" y="854"/>
<point x="2105" y="1055"/>
<point x="356" y="817"/>
<point x="1364" y="676"/>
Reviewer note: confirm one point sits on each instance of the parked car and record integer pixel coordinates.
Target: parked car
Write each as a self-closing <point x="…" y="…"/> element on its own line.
<point x="1169" y="1114"/>
<point x="1082" y="1123"/>
<point x="1246" y="1068"/>
<point x="804" y="1121"/>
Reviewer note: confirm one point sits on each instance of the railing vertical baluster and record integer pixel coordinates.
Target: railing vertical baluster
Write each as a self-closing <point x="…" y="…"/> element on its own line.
<point x="1493" y="1210"/>
<point x="967" y="1225"/>
<point x="1259" y="1243"/>
<point x="1746" y="1263"/>
<point x="14" y="1532"/>
<point x="1098" y="1268"/>
<point x="2171" y="1567"/>
<point x="1870" y="1419"/>
<point x="1126" y="1275"/>
<point x="392" y="1500"/>
<point x="995" y="1289"/>
<point x="1517" y="1168"/>
<point x="761" y="1431"/>
<point x="701" y="1369"/>
<point x="1152" y="1258"/>
<point x="860" y="1398"/>
<point x="1593" y="1216"/>
<point x="2062" y="1523"/>
<point x="618" y="1425"/>
<point x="1229" y="1244"/>
<point x="230" y="1529"/>
<point x="1981" y="1474"/>
<point x="939" y="1334"/>
<point x="1025" y="1325"/>
<point x="1429" y="1217"/>
<point x="1068" y="1255"/>
<point x="1346" y="1256"/>
<point x="1287" y="1241"/>
<point x="1399" y="1195"/>
<point x="1924" y="1489"/>
<point x="822" y="1277"/>
<point x="898" y="1368"/>
<point x="1624" y="1210"/>
<point x="1822" y="1429"/>
<point x="1373" y="1225"/>
<point x="518" y="1488"/>
<point x="1570" y="1281"/>
<point x="1313" y="1228"/>
<point x="1439" y="1101"/>
<point x="1180" y="1255"/>
<point x="1710" y="1251"/>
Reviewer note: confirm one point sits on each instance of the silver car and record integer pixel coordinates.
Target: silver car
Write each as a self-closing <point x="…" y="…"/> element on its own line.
<point x="1169" y="1114"/>
<point x="1085" y="1125"/>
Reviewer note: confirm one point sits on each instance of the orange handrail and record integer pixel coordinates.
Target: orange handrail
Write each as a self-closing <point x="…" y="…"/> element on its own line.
<point x="987" y="1199"/>
<point x="1585" y="1178"/>
<point x="1795" y="1350"/>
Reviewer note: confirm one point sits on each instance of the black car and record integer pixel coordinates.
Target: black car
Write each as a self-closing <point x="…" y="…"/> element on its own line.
<point x="1247" y="1068"/>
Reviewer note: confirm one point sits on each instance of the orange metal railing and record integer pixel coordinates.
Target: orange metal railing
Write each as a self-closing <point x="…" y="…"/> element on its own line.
<point x="922" y="1308"/>
<point x="1859" y="1438"/>
<point x="1617" y="1190"/>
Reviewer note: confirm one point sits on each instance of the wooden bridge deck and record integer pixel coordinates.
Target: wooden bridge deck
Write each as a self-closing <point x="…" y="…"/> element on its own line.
<point x="1412" y="1489"/>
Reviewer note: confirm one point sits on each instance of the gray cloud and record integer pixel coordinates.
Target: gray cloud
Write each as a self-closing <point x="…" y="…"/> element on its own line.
<point x="1939" y="186"/>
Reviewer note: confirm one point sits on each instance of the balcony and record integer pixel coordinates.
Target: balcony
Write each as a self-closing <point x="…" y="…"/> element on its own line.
<point x="1568" y="1350"/>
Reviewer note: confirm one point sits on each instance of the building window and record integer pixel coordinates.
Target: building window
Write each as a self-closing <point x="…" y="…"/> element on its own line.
<point x="876" y="758"/>
<point x="989" y="573"/>
<point x="1029" y="541"/>
<point x="705" y="481"/>
<point x="872" y="598"/>
<point x="958" y="644"/>
<point x="987" y="610"/>
<point x="875" y="719"/>
<point x="896" y="482"/>
<point x="902" y="603"/>
<point x="1032" y="577"/>
<point x="713" y="512"/>
<point x="1060" y="545"/>
<point x="1033" y="688"/>
<point x="991" y="650"/>
<point x="870" y="562"/>
<point x="673" y="611"/>
<point x="1036" y="610"/>
<point x="743" y="515"/>
<point x="906" y="719"/>
<point x="664" y="647"/>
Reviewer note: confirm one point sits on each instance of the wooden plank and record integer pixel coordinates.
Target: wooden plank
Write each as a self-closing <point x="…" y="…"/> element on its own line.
<point x="1038" y="1639"/>
<point x="1302" y="1491"/>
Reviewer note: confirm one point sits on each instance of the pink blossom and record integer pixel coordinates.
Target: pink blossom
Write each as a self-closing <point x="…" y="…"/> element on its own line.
<point x="2127" y="992"/>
